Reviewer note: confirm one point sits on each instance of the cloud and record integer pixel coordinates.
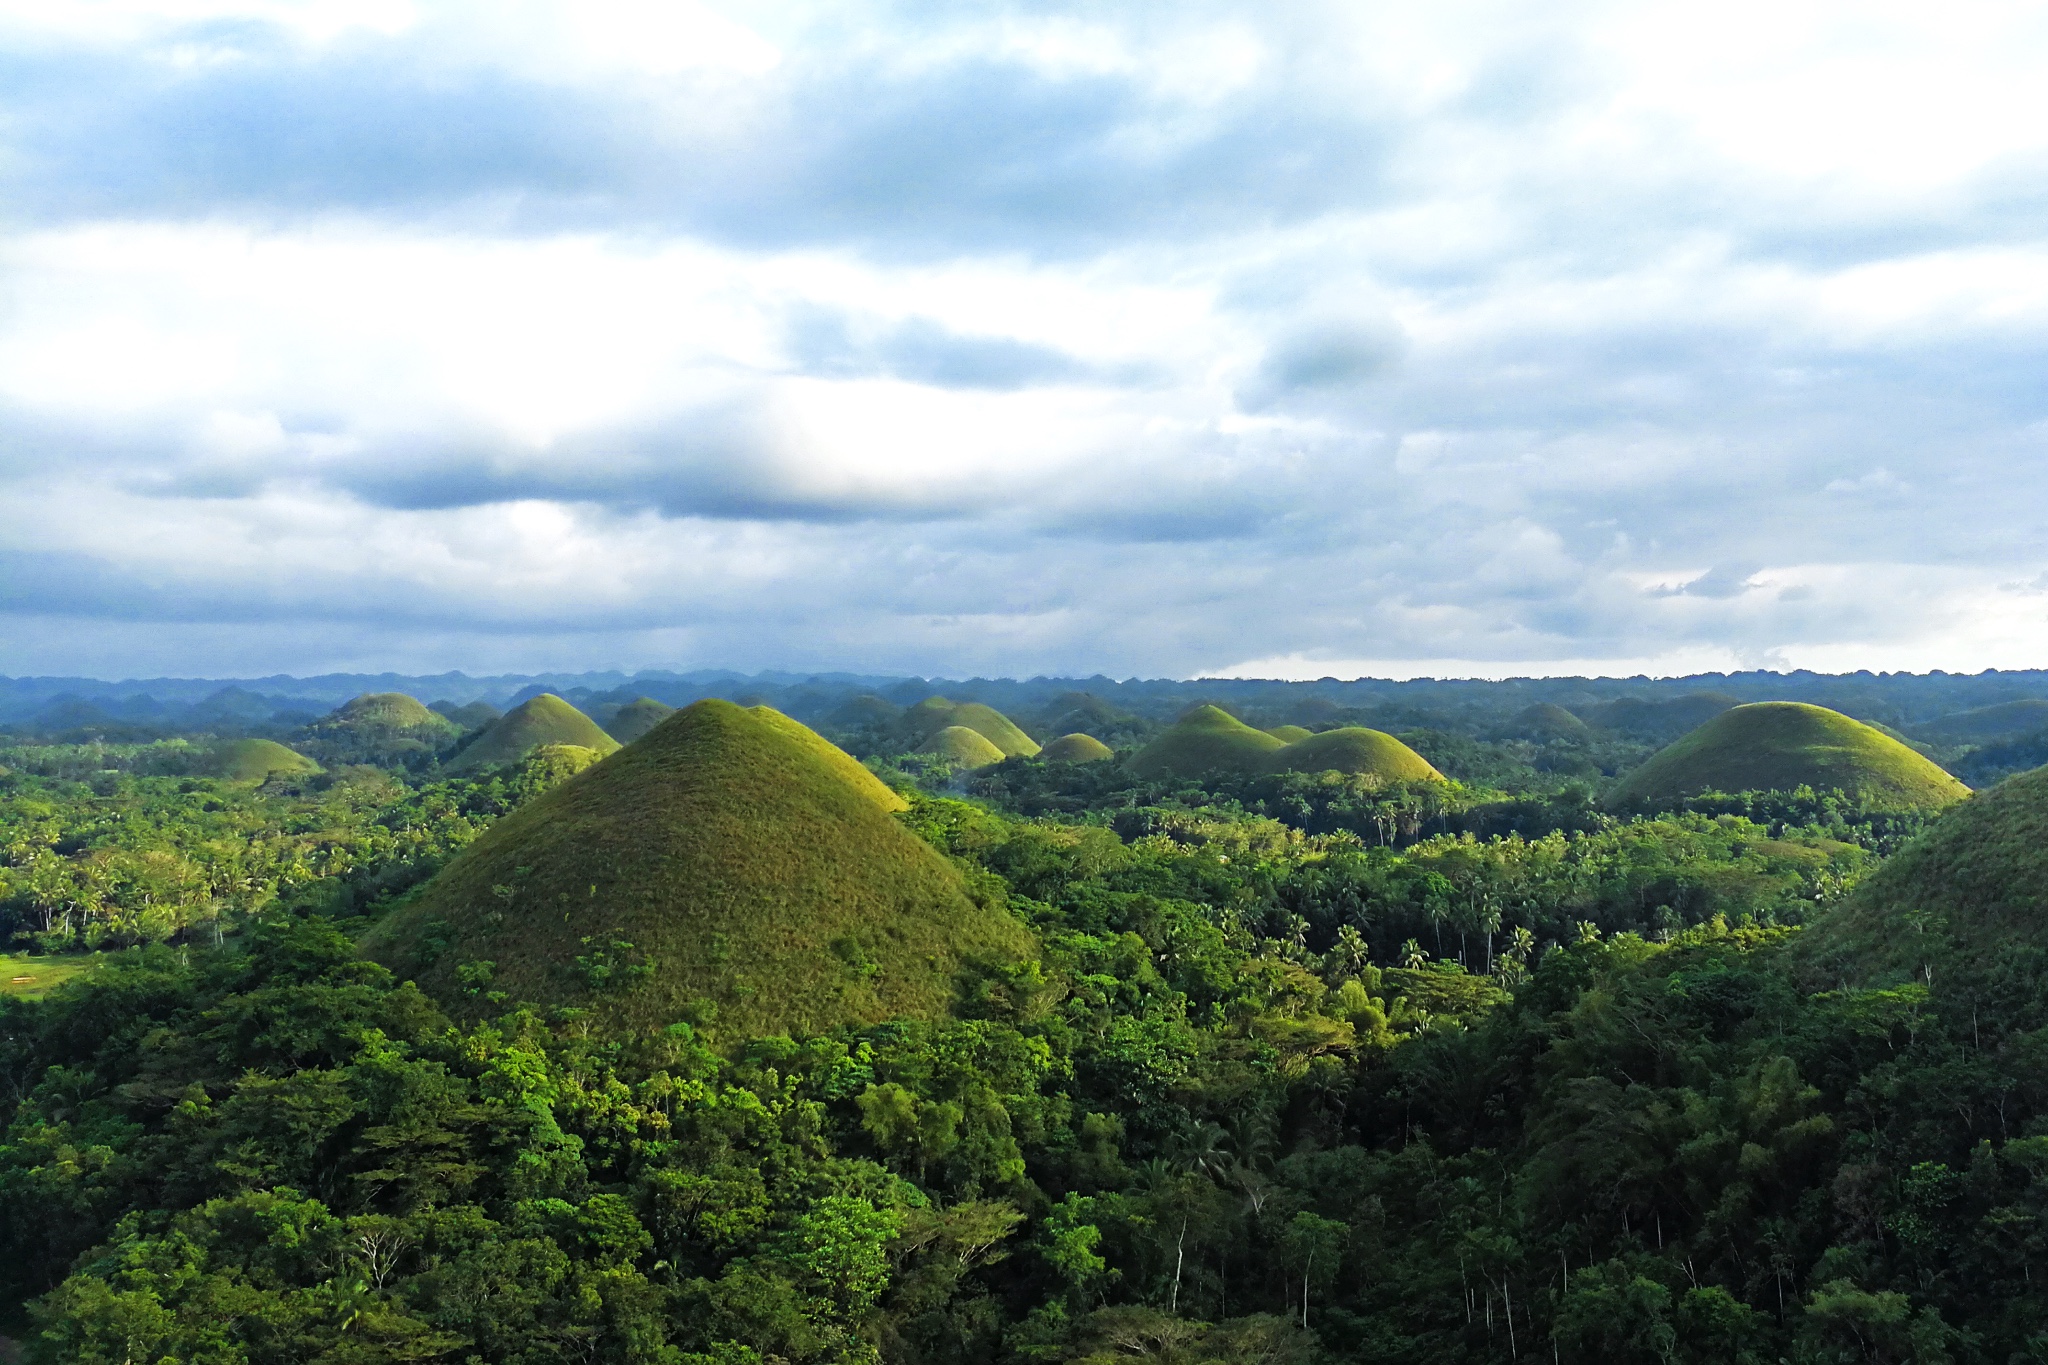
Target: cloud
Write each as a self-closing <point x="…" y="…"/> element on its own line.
<point x="1018" y="339"/>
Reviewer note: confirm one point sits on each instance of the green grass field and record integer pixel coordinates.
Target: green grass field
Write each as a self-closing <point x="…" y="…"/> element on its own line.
<point x="1782" y="746"/>
<point x="747" y="861"/>
<point x="29" y="977"/>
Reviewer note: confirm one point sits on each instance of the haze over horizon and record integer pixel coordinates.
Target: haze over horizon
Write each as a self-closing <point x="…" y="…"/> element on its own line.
<point x="981" y="339"/>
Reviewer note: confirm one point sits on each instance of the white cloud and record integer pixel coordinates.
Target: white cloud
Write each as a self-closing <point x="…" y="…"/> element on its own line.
<point x="1455" y="339"/>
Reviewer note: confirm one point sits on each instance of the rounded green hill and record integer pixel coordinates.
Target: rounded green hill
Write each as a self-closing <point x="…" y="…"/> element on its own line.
<point x="1358" y="751"/>
<point x="545" y="719"/>
<point x="742" y="867"/>
<point x="394" y="710"/>
<point x="1969" y="888"/>
<point x="962" y="747"/>
<point x="256" y="760"/>
<point x="470" y="716"/>
<point x="1207" y="739"/>
<point x="1548" y="720"/>
<point x="1076" y="748"/>
<point x="1784" y="745"/>
<point x="636" y="718"/>
<point x="1289" y="734"/>
<point x="934" y="714"/>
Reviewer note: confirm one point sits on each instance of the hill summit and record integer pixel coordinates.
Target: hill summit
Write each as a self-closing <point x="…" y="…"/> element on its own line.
<point x="1206" y="739"/>
<point x="537" y="721"/>
<point x="636" y="718"/>
<point x="1783" y="745"/>
<point x="724" y="856"/>
<point x="256" y="760"/>
<point x="934" y="714"/>
<point x="1356" y="750"/>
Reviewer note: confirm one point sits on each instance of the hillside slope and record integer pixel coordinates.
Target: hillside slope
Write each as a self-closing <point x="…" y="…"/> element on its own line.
<point x="1967" y="892"/>
<point x="1206" y="739"/>
<point x="1356" y="750"/>
<point x="545" y="719"/>
<point x="934" y="714"/>
<point x="739" y="863"/>
<point x="1780" y="746"/>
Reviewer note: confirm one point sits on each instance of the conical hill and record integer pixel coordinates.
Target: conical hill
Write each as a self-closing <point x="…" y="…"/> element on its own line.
<point x="1358" y="751"/>
<point x="1780" y="746"/>
<point x="545" y="719"/>
<point x="393" y="709"/>
<point x="1289" y="734"/>
<point x="934" y="714"/>
<point x="1548" y="720"/>
<point x="963" y="747"/>
<point x="378" y="727"/>
<point x="1207" y="739"/>
<point x="1963" y="894"/>
<point x="256" y="760"/>
<point x="1076" y="748"/>
<point x="636" y="718"/>
<point x="742" y="867"/>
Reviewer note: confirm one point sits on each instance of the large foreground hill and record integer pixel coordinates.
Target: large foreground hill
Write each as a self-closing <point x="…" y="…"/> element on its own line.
<point x="729" y="856"/>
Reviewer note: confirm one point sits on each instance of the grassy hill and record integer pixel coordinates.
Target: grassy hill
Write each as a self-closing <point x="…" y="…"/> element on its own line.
<point x="1972" y="887"/>
<point x="1076" y="748"/>
<point x="378" y="727"/>
<point x="1986" y="724"/>
<point x="934" y="714"/>
<point x="1547" y="720"/>
<point x="255" y="760"/>
<point x="636" y="718"/>
<point x="1658" y="720"/>
<point x="1207" y="739"/>
<point x="963" y="747"/>
<point x="473" y="715"/>
<point x="736" y="859"/>
<point x="1781" y="745"/>
<point x="545" y="719"/>
<point x="1289" y="734"/>
<point x="1355" y="749"/>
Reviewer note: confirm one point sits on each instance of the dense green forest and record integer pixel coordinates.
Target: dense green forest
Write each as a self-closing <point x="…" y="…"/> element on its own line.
<point x="1304" y="1066"/>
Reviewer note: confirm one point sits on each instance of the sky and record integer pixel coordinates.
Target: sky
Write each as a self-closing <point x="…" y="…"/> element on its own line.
<point x="1460" y="339"/>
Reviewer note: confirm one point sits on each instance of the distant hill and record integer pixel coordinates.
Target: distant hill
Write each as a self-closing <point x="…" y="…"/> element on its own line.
<point x="1659" y="719"/>
<point x="1087" y="714"/>
<point x="963" y="747"/>
<point x="1780" y="746"/>
<point x="545" y="719"/>
<point x="864" y="711"/>
<point x="1987" y="724"/>
<point x="1207" y="739"/>
<point x="255" y="760"/>
<point x="742" y="864"/>
<point x="636" y="718"/>
<point x="1076" y="749"/>
<point x="934" y="714"/>
<point x="1289" y="734"/>
<point x="1967" y="892"/>
<point x="473" y="715"/>
<point x="378" y="727"/>
<point x="1357" y="750"/>
<point x="1547" y="721"/>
